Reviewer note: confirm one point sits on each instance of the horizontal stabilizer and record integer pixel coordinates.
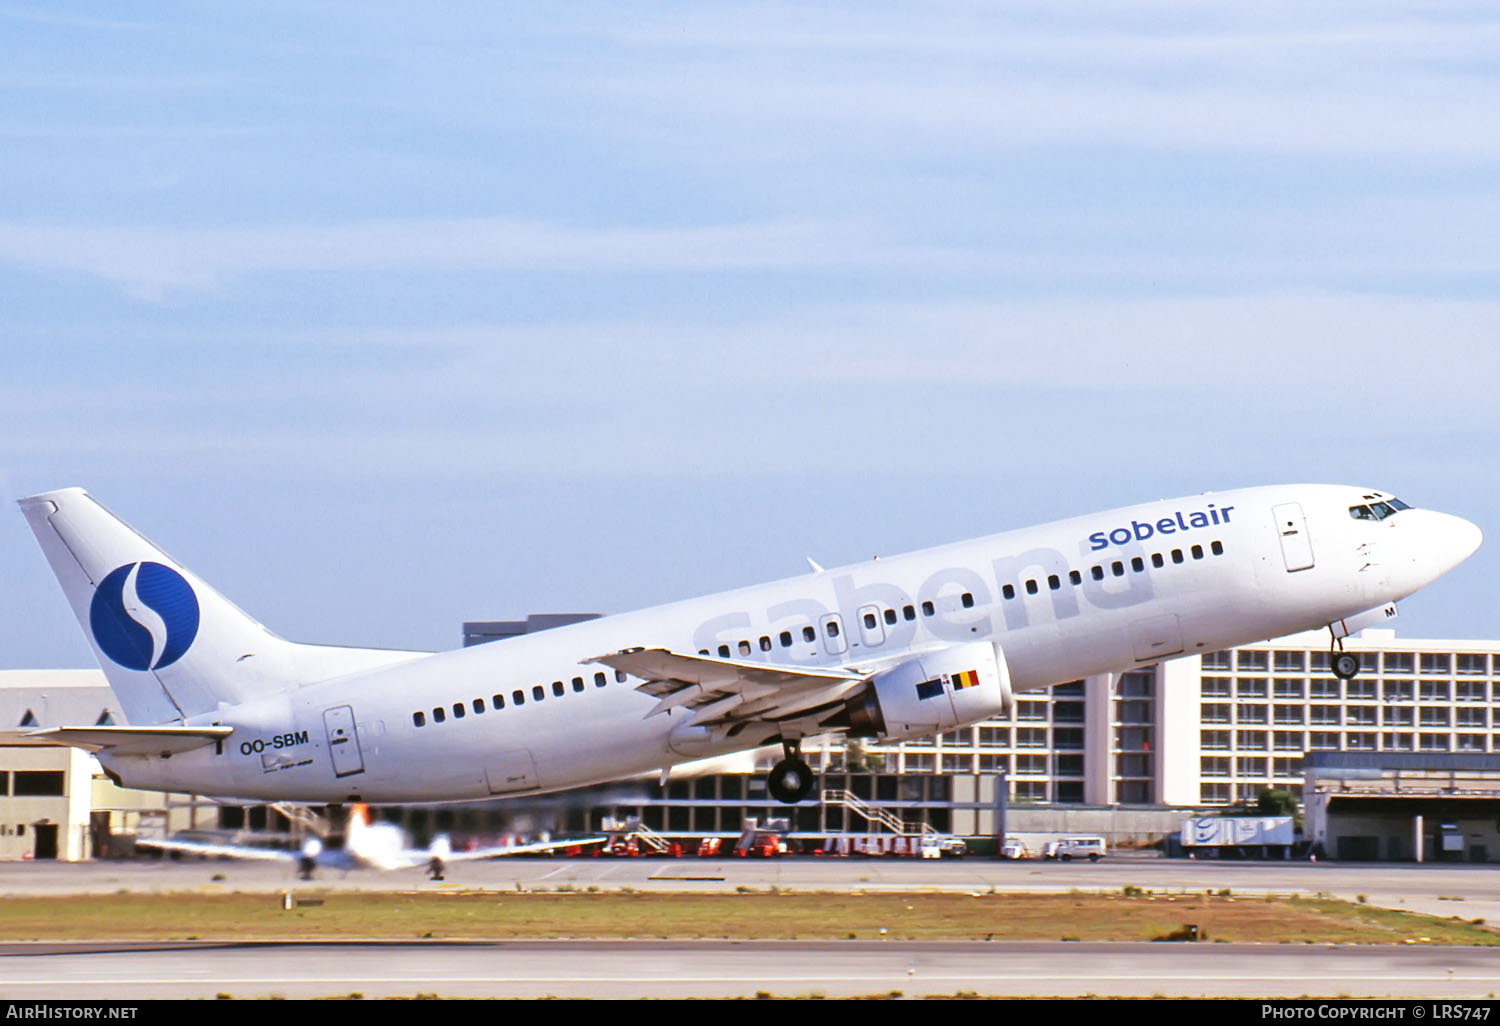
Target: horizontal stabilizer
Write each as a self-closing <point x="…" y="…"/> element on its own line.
<point x="120" y="740"/>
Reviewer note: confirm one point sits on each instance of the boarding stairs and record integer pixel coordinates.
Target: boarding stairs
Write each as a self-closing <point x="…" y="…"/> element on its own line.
<point x="878" y="816"/>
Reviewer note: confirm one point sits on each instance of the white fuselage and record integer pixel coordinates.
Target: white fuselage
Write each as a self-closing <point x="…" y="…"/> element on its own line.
<point x="1093" y="594"/>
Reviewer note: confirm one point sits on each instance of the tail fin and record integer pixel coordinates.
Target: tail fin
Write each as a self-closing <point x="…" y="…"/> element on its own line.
<point x="171" y="647"/>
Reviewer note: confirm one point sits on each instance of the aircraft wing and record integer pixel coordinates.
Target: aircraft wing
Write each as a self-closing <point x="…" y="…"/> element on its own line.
<point x="120" y="740"/>
<point x="233" y="851"/>
<point x="728" y="695"/>
<point x="501" y="851"/>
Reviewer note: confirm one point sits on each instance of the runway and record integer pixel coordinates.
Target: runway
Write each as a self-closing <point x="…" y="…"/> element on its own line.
<point x="674" y="969"/>
<point x="1466" y="890"/>
<point x="635" y="968"/>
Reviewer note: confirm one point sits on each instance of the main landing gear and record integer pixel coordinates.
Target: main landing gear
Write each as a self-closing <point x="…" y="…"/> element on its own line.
<point x="791" y="779"/>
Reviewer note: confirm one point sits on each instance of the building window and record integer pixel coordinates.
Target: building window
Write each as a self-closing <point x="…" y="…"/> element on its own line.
<point x="1251" y="714"/>
<point x="37" y="783"/>
<point x="1215" y="687"/>
<point x="1289" y="688"/>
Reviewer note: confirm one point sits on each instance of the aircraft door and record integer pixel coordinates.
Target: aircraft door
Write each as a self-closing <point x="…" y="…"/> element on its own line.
<point x="1291" y="527"/>
<point x="834" y="642"/>
<point x="343" y="741"/>
<point x="871" y="632"/>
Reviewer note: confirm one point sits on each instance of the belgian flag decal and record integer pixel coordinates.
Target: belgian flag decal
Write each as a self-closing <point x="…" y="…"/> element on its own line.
<point x="965" y="679"/>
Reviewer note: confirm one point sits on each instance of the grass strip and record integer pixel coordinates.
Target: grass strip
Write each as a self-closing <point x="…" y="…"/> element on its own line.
<point x="1137" y="916"/>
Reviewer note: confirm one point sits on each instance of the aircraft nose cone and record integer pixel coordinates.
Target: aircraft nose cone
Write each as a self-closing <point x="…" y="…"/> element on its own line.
<point x="1468" y="538"/>
<point x="1453" y="540"/>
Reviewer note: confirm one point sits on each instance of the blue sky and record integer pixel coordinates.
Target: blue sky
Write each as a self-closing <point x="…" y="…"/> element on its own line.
<point x="385" y="317"/>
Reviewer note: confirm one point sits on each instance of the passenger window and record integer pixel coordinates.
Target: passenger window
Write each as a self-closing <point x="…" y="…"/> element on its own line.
<point x="419" y="719"/>
<point x="537" y="694"/>
<point x="808" y="634"/>
<point x="1177" y="555"/>
<point x="438" y="716"/>
<point x="786" y="639"/>
<point x="557" y="688"/>
<point x="968" y="600"/>
<point x="599" y="679"/>
<point x="1117" y="568"/>
<point x="908" y="613"/>
<point x="832" y="628"/>
<point x="497" y="701"/>
<point x="1008" y="590"/>
<point x="578" y="684"/>
<point x="765" y="643"/>
<point x="744" y="647"/>
<point x="1137" y="564"/>
<point x="1031" y="587"/>
<point x="927" y="609"/>
<point x="1197" y="551"/>
<point x="1157" y="561"/>
<point x="703" y="651"/>
<point x="890" y="617"/>
<point x="458" y="710"/>
<point x="518" y="697"/>
<point x="1074" y="577"/>
<point x="479" y="705"/>
<point x="1217" y="548"/>
<point x="619" y="677"/>
<point x="1053" y="582"/>
<point x="724" y="651"/>
<point x="1097" y="572"/>
<point x="870" y="621"/>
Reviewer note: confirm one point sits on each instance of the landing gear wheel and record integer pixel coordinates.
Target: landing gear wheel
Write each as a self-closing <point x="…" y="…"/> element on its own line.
<point x="1345" y="665"/>
<point x="791" y="780"/>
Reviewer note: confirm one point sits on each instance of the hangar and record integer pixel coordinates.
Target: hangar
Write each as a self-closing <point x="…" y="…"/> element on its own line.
<point x="1402" y="806"/>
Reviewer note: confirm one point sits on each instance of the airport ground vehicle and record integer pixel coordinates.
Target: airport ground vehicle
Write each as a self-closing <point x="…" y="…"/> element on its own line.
<point x="1066" y="849"/>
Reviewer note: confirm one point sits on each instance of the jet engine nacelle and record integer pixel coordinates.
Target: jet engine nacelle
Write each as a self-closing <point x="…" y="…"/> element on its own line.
<point x="933" y="693"/>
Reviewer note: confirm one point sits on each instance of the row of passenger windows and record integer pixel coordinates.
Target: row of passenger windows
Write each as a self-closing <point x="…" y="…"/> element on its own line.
<point x="1117" y="568"/>
<point x="909" y="613"/>
<point x="517" y="698"/>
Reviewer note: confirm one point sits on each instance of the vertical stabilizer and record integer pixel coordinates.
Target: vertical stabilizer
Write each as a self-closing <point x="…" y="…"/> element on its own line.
<point x="171" y="646"/>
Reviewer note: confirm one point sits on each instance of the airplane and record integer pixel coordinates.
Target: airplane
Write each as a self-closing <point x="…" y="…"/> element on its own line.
<point x="892" y="649"/>
<point x="366" y="846"/>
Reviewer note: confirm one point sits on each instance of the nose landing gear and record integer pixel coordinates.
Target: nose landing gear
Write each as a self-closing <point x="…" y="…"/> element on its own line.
<point x="1345" y="665"/>
<point x="791" y="779"/>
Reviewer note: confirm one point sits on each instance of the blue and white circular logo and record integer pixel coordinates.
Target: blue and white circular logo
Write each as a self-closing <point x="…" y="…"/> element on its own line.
<point x="144" y="616"/>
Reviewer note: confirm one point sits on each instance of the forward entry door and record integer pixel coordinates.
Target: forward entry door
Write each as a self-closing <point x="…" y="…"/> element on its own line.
<point x="1296" y="546"/>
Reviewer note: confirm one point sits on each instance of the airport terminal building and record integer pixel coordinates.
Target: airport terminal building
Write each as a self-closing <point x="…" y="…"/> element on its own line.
<point x="1128" y="754"/>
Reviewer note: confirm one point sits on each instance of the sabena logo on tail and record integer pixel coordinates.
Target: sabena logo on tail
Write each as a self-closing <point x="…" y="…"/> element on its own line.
<point x="144" y="616"/>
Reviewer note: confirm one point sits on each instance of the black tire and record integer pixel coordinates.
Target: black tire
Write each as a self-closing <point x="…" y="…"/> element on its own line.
<point x="790" y="781"/>
<point x="1345" y="665"/>
<point x="1066" y="857"/>
<point x="1093" y="856"/>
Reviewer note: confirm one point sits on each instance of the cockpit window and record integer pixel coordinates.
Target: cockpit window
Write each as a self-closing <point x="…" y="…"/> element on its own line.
<point x="1377" y="510"/>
